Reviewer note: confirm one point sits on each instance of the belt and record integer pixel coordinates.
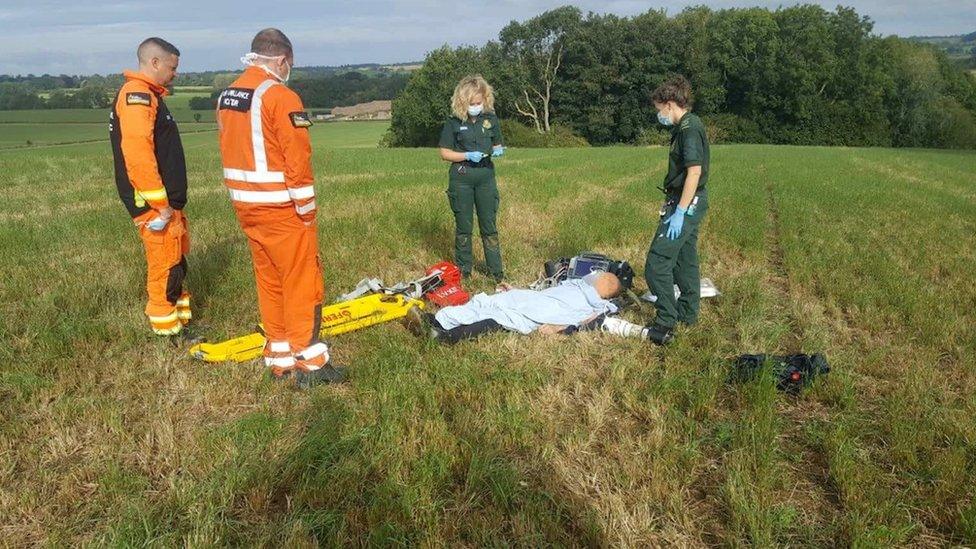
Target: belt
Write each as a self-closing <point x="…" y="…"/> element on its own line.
<point x="676" y="195"/>
<point x="485" y="163"/>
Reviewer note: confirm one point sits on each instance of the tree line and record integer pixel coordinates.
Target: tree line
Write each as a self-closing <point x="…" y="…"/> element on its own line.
<point x="327" y="90"/>
<point x="22" y="96"/>
<point x="796" y="75"/>
<point x="319" y="87"/>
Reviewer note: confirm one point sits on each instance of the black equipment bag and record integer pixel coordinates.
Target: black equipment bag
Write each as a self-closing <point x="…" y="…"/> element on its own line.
<point x="792" y="372"/>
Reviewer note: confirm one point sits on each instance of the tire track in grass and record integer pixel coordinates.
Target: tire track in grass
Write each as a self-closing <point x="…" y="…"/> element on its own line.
<point x="779" y="274"/>
<point x="829" y="430"/>
<point x="810" y="474"/>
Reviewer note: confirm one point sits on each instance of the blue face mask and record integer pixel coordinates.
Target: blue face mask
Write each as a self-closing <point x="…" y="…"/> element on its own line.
<point x="664" y="120"/>
<point x="475" y="110"/>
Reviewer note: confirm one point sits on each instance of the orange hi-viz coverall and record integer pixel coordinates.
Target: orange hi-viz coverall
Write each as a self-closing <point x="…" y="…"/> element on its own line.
<point x="150" y="173"/>
<point x="266" y="155"/>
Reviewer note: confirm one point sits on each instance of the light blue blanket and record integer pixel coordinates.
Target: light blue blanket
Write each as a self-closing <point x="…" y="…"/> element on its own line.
<point x="523" y="311"/>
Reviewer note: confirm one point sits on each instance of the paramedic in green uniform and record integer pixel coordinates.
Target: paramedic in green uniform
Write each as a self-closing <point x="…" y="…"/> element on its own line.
<point x="673" y="257"/>
<point x="470" y="139"/>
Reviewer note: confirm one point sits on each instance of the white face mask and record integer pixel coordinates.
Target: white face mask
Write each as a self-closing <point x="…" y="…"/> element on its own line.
<point x="475" y="110"/>
<point x="249" y="60"/>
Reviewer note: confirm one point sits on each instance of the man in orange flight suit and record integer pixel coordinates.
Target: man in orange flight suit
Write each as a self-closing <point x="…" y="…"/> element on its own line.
<point x="150" y="173"/>
<point x="267" y="162"/>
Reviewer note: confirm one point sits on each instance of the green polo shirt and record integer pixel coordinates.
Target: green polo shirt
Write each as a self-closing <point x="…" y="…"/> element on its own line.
<point x="467" y="135"/>
<point x="689" y="147"/>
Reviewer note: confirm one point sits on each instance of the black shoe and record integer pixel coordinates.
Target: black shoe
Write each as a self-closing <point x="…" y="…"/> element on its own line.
<point x="499" y="278"/>
<point x="659" y="335"/>
<point x="323" y="376"/>
<point x="186" y="338"/>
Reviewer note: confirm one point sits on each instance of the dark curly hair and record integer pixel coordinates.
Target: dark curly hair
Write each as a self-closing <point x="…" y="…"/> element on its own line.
<point x="676" y="88"/>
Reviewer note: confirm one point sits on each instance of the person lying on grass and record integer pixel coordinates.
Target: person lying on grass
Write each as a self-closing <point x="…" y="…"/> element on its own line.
<point x="570" y="306"/>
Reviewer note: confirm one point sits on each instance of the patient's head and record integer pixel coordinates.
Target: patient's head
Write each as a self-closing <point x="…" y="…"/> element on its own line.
<point x="607" y="285"/>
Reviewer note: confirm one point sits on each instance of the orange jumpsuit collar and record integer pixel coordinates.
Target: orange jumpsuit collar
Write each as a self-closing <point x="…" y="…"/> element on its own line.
<point x="133" y="75"/>
<point x="252" y="70"/>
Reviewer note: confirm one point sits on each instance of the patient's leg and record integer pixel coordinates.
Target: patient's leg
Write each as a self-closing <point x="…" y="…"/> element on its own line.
<point x="588" y="325"/>
<point x="466" y="331"/>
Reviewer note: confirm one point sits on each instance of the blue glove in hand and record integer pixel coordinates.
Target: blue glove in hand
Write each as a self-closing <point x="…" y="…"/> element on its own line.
<point x="497" y="151"/>
<point x="474" y="156"/>
<point x="676" y="222"/>
<point x="157" y="224"/>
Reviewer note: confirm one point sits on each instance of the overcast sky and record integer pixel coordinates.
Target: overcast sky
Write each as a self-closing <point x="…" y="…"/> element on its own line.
<point x="100" y="37"/>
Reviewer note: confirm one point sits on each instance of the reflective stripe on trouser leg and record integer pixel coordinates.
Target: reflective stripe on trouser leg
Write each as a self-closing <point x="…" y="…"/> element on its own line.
<point x="165" y="324"/>
<point x="183" y="311"/>
<point x="313" y="357"/>
<point x="277" y="354"/>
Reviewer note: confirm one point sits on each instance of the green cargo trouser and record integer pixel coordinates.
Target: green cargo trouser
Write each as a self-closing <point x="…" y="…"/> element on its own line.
<point x="473" y="189"/>
<point x="671" y="262"/>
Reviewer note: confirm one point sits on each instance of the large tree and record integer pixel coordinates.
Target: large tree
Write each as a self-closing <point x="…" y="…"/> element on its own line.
<point x="537" y="48"/>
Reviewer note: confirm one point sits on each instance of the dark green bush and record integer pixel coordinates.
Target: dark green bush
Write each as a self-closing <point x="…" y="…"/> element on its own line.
<point x="731" y="128"/>
<point x="519" y="135"/>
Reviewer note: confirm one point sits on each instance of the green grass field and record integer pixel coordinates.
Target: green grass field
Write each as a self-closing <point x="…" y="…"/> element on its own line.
<point x="179" y="105"/>
<point x="29" y="135"/>
<point x="109" y="436"/>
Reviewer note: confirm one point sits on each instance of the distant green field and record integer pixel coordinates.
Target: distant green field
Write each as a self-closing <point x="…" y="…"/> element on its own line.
<point x="111" y="437"/>
<point x="338" y="134"/>
<point x="57" y="116"/>
<point x="365" y="134"/>
<point x="178" y="105"/>
<point x="17" y="134"/>
<point x="193" y="89"/>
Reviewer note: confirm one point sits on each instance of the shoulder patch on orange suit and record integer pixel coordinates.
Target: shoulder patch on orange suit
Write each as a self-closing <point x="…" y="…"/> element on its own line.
<point x="300" y="119"/>
<point x="138" y="98"/>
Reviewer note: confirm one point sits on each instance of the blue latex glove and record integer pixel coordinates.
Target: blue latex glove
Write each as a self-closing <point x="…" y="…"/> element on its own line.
<point x="474" y="156"/>
<point x="676" y="222"/>
<point x="497" y="151"/>
<point x="158" y="224"/>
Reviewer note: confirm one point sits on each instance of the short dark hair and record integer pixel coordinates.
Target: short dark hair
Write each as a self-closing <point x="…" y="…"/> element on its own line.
<point x="271" y="42"/>
<point x="676" y="88"/>
<point x="159" y="43"/>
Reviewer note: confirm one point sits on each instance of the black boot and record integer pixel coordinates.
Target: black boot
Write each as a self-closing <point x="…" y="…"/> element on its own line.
<point x="186" y="337"/>
<point x="323" y="376"/>
<point x="659" y="335"/>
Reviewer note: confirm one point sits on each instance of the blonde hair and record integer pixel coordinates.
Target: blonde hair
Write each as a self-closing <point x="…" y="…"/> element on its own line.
<point x="468" y="87"/>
